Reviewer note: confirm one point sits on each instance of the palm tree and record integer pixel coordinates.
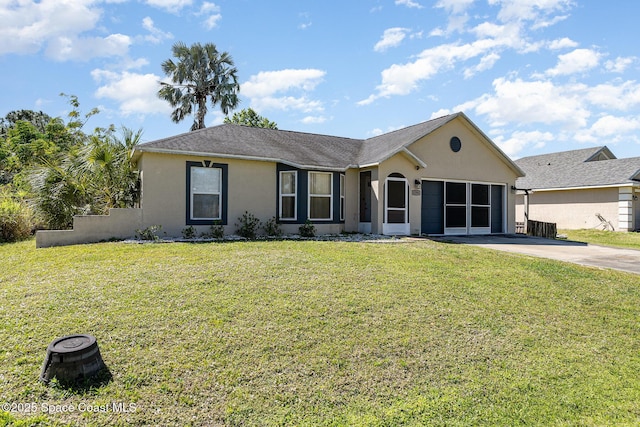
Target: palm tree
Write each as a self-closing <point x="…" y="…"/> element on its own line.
<point x="200" y="72"/>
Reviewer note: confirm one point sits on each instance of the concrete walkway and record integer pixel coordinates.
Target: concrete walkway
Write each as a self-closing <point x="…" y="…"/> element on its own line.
<point x="579" y="253"/>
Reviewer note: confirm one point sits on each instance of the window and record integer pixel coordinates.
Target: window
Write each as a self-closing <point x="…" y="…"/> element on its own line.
<point x="480" y="205"/>
<point x="341" y="197"/>
<point x="320" y="195"/>
<point x="205" y="193"/>
<point x="455" y="204"/>
<point x="288" y="185"/>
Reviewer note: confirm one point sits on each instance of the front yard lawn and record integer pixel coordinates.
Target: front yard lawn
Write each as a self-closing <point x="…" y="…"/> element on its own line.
<point x="321" y="333"/>
<point x="629" y="240"/>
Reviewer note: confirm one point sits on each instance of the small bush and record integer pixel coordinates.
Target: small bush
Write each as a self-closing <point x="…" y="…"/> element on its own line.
<point x="149" y="233"/>
<point x="248" y="226"/>
<point x="189" y="232"/>
<point x="272" y="228"/>
<point x="15" y="220"/>
<point x="307" y="229"/>
<point x="216" y="231"/>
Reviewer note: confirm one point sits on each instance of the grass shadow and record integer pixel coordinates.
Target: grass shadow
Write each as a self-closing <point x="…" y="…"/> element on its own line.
<point x="84" y="385"/>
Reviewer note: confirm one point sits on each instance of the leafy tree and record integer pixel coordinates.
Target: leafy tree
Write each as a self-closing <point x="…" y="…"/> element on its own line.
<point x="37" y="118"/>
<point x="249" y="117"/>
<point x="200" y="73"/>
<point x="114" y="181"/>
<point x="29" y="145"/>
<point x="92" y="180"/>
<point x="59" y="192"/>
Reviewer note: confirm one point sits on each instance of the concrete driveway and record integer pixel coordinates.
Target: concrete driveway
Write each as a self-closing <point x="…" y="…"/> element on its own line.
<point x="579" y="253"/>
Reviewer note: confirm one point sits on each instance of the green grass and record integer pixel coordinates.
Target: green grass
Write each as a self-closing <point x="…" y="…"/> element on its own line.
<point x="323" y="333"/>
<point x="604" y="238"/>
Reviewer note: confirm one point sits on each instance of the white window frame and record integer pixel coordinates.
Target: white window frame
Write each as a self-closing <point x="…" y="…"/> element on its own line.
<point x="294" y="195"/>
<point x="312" y="195"/>
<point x="218" y="193"/>
<point x="342" y="198"/>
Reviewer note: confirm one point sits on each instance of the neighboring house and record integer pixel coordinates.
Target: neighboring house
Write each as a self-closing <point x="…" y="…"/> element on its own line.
<point x="588" y="188"/>
<point x="443" y="176"/>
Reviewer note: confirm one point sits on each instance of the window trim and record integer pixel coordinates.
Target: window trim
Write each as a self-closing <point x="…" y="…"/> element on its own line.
<point x="224" y="195"/>
<point x="311" y="195"/>
<point x="294" y="195"/>
<point x="218" y="193"/>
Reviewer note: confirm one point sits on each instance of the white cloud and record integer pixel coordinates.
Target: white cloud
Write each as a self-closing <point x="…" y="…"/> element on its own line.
<point x="213" y="12"/>
<point x="270" y="89"/>
<point x="620" y="96"/>
<point x="135" y="93"/>
<point x="528" y="102"/>
<point x="156" y="35"/>
<point x="458" y="17"/>
<point x="620" y="64"/>
<point x="28" y="26"/>
<point x="610" y="129"/>
<point x="82" y="49"/>
<point x="409" y="3"/>
<point x="577" y="61"/>
<point x="491" y="39"/>
<point x="314" y="120"/>
<point x="486" y="63"/>
<point x="562" y="43"/>
<point x="405" y="78"/>
<point x="267" y="83"/>
<point x="392" y="37"/>
<point x="172" y="6"/>
<point x="520" y="140"/>
<point x="538" y="11"/>
<point x="454" y="6"/>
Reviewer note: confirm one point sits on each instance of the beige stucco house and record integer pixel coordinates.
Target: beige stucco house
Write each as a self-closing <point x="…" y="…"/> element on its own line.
<point x="580" y="189"/>
<point x="443" y="176"/>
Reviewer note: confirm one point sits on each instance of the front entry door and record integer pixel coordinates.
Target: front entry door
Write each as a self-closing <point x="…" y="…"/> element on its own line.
<point x="432" y="207"/>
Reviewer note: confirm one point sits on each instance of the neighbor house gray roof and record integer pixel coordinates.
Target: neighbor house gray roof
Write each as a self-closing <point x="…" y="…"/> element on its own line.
<point x="577" y="168"/>
<point x="303" y="150"/>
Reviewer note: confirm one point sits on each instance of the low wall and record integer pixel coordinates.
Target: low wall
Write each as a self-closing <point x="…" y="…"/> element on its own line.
<point x="119" y="224"/>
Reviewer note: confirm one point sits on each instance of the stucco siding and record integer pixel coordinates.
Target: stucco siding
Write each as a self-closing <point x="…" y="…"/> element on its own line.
<point x="572" y="209"/>
<point x="251" y="187"/>
<point x="119" y="224"/>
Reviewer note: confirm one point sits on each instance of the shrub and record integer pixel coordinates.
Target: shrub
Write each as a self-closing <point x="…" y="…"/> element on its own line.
<point x="149" y="233"/>
<point x="189" y="232"/>
<point x="248" y="226"/>
<point x="272" y="228"/>
<point x="307" y="229"/>
<point x="216" y="231"/>
<point x="16" y="220"/>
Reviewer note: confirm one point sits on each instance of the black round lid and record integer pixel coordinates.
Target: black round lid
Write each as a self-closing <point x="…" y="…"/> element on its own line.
<point x="72" y="343"/>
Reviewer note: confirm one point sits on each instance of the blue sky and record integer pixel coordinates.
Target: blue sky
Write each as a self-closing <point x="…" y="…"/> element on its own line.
<point x="536" y="76"/>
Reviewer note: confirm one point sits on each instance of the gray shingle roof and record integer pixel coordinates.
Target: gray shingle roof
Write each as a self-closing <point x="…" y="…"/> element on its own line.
<point x="569" y="169"/>
<point x="382" y="147"/>
<point x="230" y="140"/>
<point x="304" y="150"/>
